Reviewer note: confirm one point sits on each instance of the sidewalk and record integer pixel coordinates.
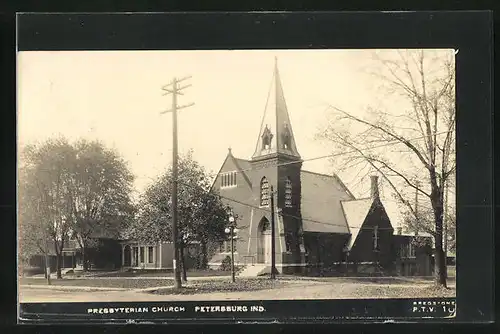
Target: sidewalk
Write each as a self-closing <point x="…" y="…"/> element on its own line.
<point x="70" y="288"/>
<point x="194" y="278"/>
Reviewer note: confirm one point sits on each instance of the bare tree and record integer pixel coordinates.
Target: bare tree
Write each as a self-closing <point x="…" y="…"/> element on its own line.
<point x="410" y="143"/>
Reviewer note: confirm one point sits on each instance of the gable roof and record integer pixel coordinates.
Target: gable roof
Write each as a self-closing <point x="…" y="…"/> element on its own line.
<point x="321" y="203"/>
<point x="355" y="212"/>
<point x="241" y="166"/>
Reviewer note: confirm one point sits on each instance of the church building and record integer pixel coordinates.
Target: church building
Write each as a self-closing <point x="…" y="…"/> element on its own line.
<point x="320" y="227"/>
<point x="319" y="224"/>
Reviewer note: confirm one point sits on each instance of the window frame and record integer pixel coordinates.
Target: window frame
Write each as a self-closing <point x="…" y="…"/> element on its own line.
<point x="288" y="192"/>
<point x="142" y="254"/>
<point x="151" y="254"/>
<point x="264" y="201"/>
<point x="376" y="238"/>
<point x="229" y="179"/>
<point x="411" y="250"/>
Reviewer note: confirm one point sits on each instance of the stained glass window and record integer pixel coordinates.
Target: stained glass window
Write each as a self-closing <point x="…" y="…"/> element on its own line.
<point x="264" y="192"/>
<point x="288" y="193"/>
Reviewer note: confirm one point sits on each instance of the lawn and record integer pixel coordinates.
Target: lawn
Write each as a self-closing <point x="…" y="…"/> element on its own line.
<point x="281" y="289"/>
<point x="243" y="289"/>
<point x="101" y="283"/>
<point x="394" y="291"/>
<point x="193" y="286"/>
<point x="150" y="273"/>
<point x="241" y="285"/>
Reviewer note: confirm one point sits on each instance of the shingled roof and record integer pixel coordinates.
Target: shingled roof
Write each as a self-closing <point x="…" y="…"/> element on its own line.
<point x="321" y="203"/>
<point x="243" y="166"/>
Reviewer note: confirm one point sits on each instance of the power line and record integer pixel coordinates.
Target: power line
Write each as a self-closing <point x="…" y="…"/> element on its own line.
<point x="293" y="216"/>
<point x="389" y="143"/>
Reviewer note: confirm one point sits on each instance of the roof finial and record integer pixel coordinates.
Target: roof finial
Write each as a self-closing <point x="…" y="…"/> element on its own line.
<point x="229" y="150"/>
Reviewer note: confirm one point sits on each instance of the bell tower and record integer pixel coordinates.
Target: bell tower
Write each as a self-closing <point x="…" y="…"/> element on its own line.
<point x="277" y="162"/>
<point x="276" y="134"/>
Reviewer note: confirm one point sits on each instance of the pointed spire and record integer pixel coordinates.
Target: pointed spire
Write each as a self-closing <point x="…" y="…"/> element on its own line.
<point x="276" y="134"/>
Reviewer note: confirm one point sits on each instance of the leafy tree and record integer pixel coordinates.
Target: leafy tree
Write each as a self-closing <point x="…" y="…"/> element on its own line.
<point x="44" y="198"/>
<point x="201" y="214"/>
<point x="65" y="189"/>
<point x="414" y="148"/>
<point x="100" y="194"/>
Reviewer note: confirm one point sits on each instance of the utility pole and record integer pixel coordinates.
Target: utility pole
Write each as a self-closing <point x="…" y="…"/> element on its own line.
<point x="273" y="238"/>
<point x="174" y="89"/>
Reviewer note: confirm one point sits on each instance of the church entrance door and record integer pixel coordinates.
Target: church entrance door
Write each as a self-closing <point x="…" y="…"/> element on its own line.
<point x="264" y="244"/>
<point x="267" y="247"/>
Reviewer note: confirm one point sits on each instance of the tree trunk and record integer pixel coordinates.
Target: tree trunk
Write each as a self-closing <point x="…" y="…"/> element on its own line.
<point x="47" y="268"/>
<point x="58" y="266"/>
<point x="439" y="263"/>
<point x="439" y="260"/>
<point x="58" y="249"/>
<point x="183" y="262"/>
<point x="204" y="255"/>
<point x="84" y="259"/>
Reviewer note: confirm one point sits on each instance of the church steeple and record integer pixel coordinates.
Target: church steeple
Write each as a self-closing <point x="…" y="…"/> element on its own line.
<point x="276" y="135"/>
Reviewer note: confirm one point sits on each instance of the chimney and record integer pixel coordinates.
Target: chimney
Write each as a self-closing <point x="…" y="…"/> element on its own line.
<point x="374" y="187"/>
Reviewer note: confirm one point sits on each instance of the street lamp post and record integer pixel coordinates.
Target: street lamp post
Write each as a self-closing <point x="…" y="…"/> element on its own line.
<point x="231" y="230"/>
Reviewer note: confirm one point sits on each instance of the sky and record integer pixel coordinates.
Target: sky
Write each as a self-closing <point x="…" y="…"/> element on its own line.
<point x="116" y="97"/>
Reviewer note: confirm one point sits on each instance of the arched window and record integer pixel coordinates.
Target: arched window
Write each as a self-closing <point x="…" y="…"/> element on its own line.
<point x="288" y="193"/>
<point x="286" y="137"/>
<point x="267" y="136"/>
<point x="264" y="192"/>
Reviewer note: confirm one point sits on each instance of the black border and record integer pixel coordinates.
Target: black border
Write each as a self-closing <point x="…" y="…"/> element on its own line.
<point x="468" y="32"/>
